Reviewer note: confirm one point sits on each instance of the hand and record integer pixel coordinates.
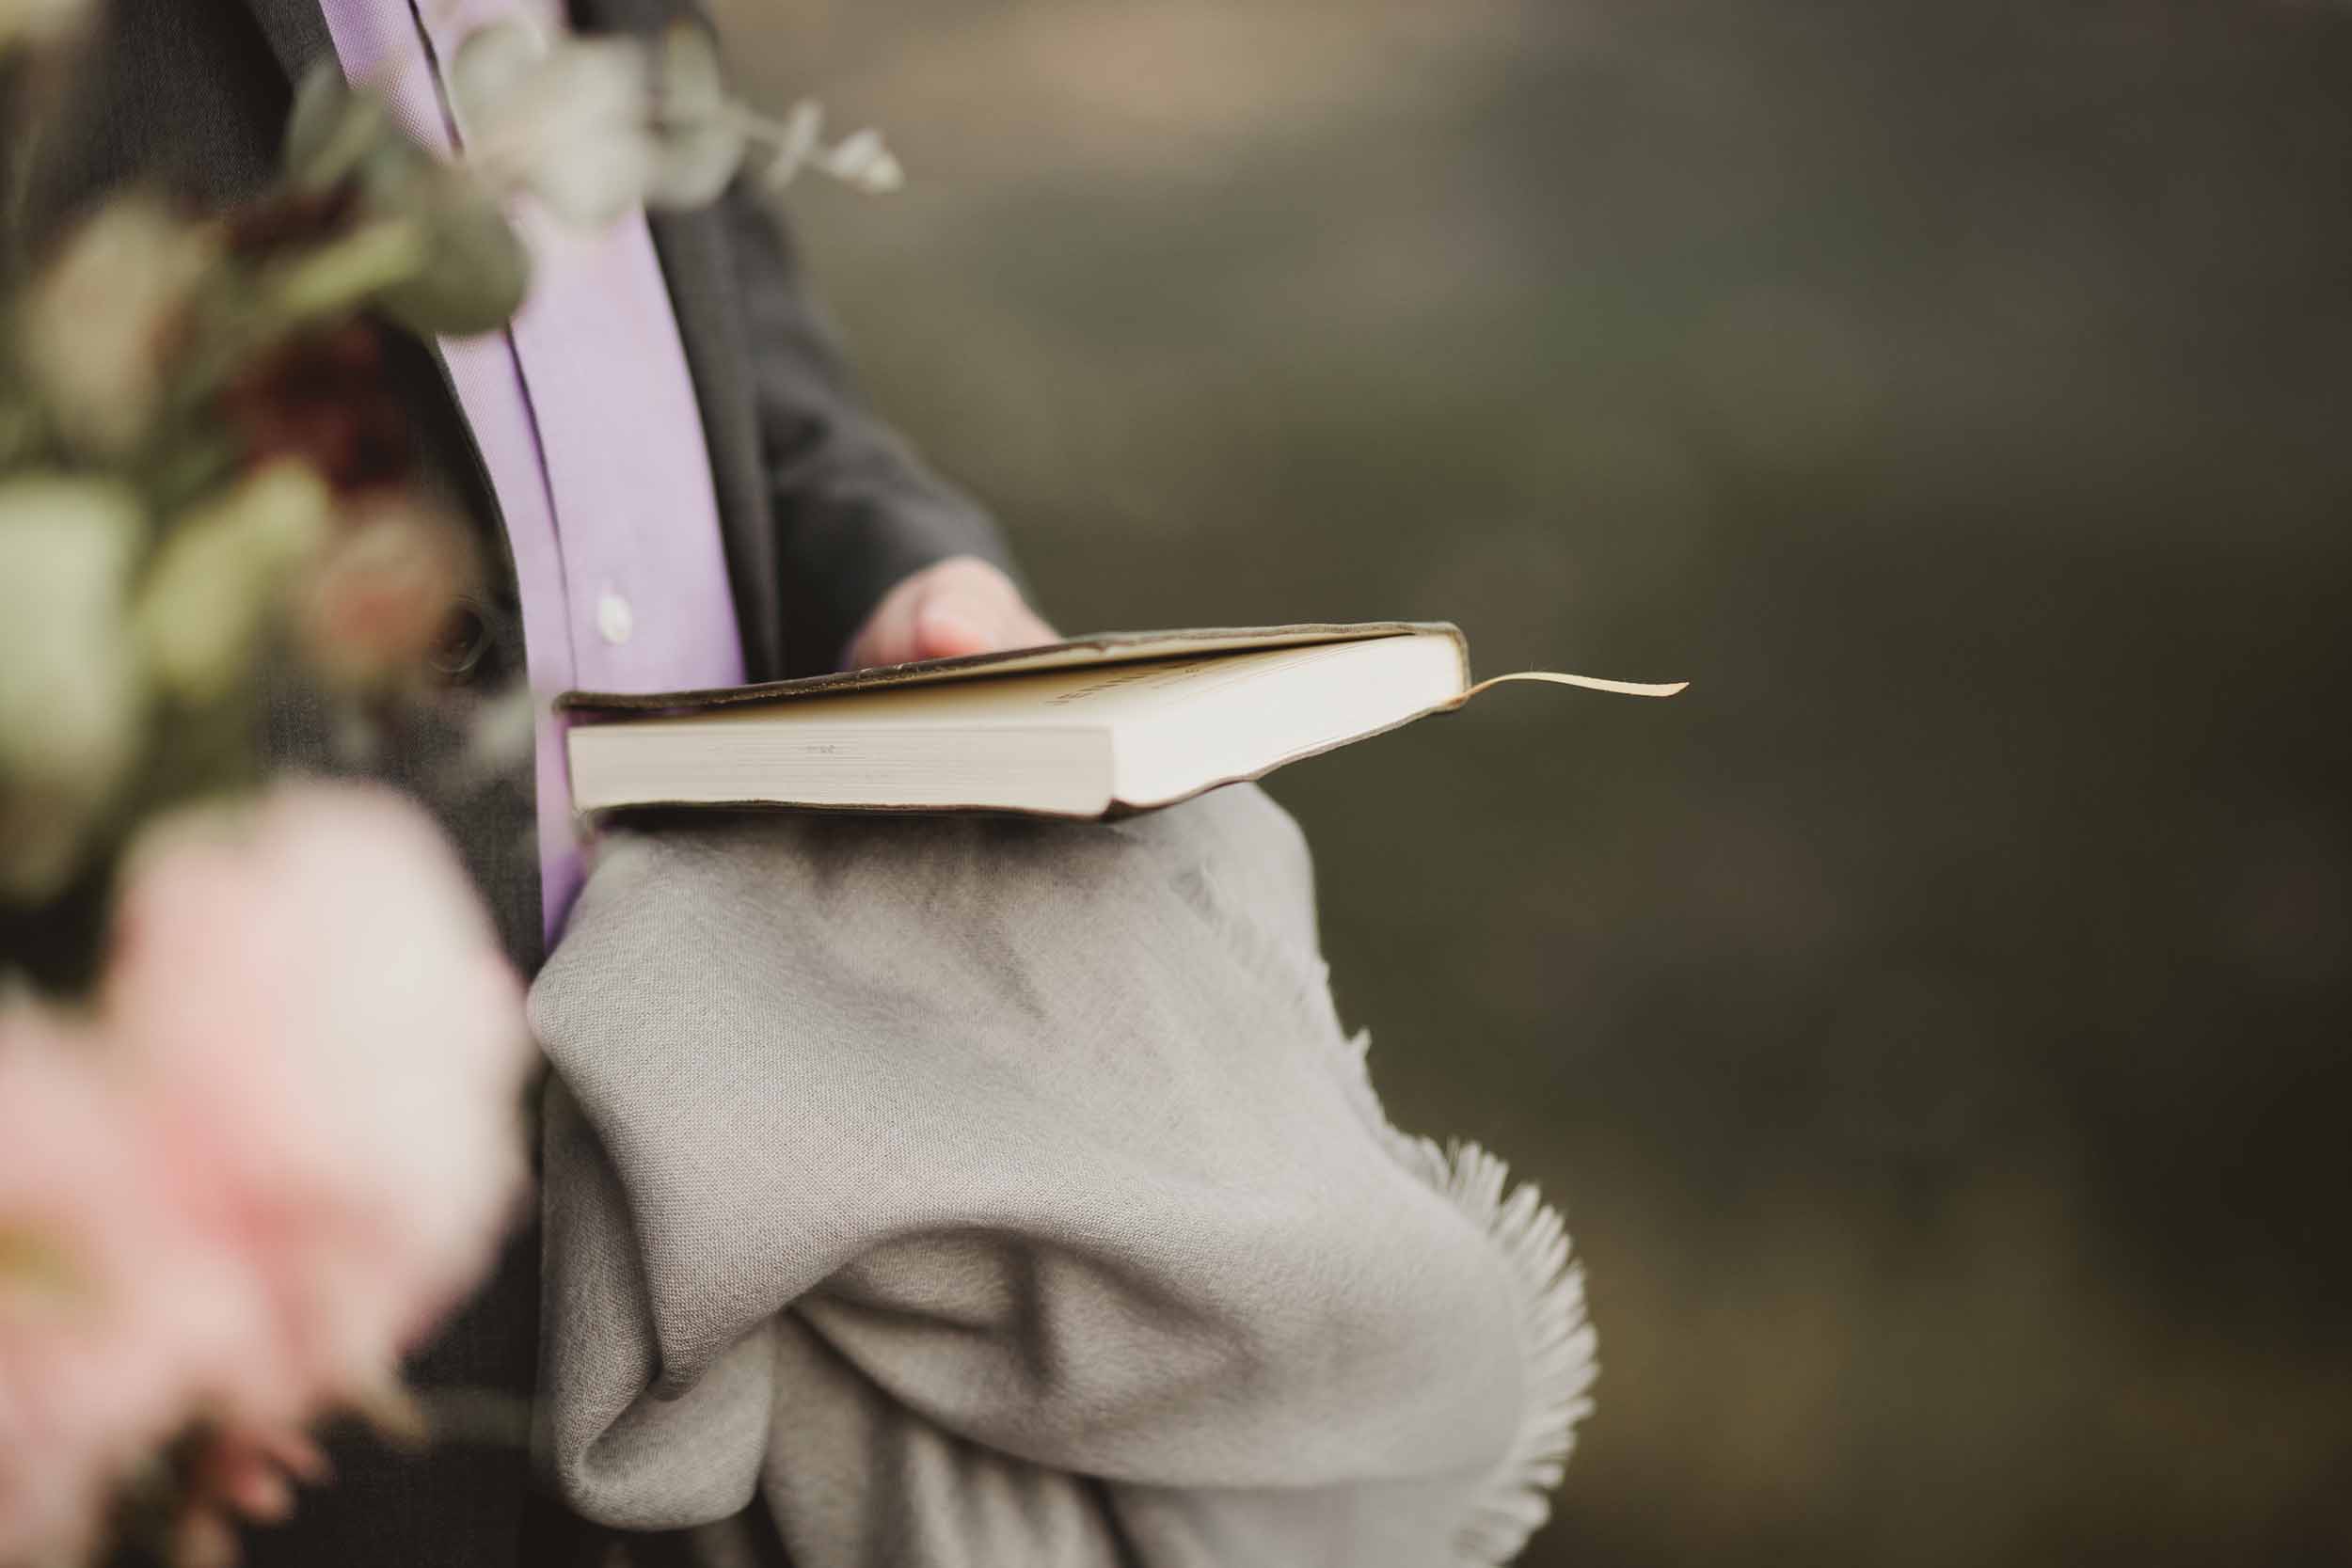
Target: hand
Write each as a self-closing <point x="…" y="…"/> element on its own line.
<point x="959" y="605"/>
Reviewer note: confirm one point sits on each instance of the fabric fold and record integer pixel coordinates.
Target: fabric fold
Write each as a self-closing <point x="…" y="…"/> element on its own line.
<point x="999" y="1192"/>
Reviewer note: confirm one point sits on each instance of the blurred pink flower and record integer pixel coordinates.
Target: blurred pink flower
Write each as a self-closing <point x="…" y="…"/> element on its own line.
<point x="330" y="1051"/>
<point x="379" y="598"/>
<point x="285" y="1142"/>
<point x="90" y="1336"/>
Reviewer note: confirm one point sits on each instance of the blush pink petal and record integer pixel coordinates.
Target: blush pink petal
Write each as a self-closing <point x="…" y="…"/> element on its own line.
<point x="331" y="1052"/>
<point x="286" y="1141"/>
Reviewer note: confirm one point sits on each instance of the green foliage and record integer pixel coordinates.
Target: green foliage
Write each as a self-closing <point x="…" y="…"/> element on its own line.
<point x="463" y="271"/>
<point x="700" y="140"/>
<point x="174" y="393"/>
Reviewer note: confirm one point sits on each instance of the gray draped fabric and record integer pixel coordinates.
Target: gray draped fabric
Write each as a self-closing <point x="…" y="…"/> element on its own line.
<point x="1005" y="1193"/>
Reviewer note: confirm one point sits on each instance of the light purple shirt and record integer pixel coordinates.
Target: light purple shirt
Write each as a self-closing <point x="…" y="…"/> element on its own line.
<point x="586" y="420"/>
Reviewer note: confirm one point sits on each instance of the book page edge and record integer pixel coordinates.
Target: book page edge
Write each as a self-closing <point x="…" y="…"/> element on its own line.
<point x="1072" y="653"/>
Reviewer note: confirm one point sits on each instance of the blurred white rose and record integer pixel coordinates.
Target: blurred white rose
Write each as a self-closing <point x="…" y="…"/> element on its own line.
<point x="221" y="574"/>
<point x="70" y="692"/>
<point x="95" y="326"/>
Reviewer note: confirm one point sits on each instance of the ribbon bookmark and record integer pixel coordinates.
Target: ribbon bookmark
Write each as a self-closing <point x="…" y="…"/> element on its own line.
<point x="1590" y="683"/>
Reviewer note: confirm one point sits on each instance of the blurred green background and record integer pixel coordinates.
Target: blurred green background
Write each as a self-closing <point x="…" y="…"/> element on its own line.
<point x="1934" y="1022"/>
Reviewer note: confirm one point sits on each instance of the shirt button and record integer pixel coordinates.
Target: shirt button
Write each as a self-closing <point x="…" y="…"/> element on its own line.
<point x="462" y="641"/>
<point x="614" y="619"/>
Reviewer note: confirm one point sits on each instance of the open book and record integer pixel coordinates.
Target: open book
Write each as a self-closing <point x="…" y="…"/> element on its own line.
<point x="1090" y="727"/>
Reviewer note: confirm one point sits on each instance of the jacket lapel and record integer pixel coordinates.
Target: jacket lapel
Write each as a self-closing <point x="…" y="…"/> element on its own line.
<point x="697" y="262"/>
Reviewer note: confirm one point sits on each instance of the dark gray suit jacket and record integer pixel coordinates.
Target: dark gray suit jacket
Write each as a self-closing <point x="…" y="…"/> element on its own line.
<point x="822" y="509"/>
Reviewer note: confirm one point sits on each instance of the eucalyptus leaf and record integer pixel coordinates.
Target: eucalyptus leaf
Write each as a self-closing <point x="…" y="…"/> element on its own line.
<point x="353" y="270"/>
<point x="698" y="139"/>
<point x="793" y="143"/>
<point x="214" y="584"/>
<point x="333" y="129"/>
<point x="72" y="695"/>
<point x="568" y="120"/>
<point x="576" y="131"/>
<point x="489" y="67"/>
<point x="688" y="83"/>
<point x="593" y="184"/>
<point x="861" y="160"/>
<point x="476" y="270"/>
<point x="692" y="165"/>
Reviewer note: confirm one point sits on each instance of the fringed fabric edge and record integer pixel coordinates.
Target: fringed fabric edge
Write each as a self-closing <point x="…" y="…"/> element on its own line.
<point x="1555" y="1336"/>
